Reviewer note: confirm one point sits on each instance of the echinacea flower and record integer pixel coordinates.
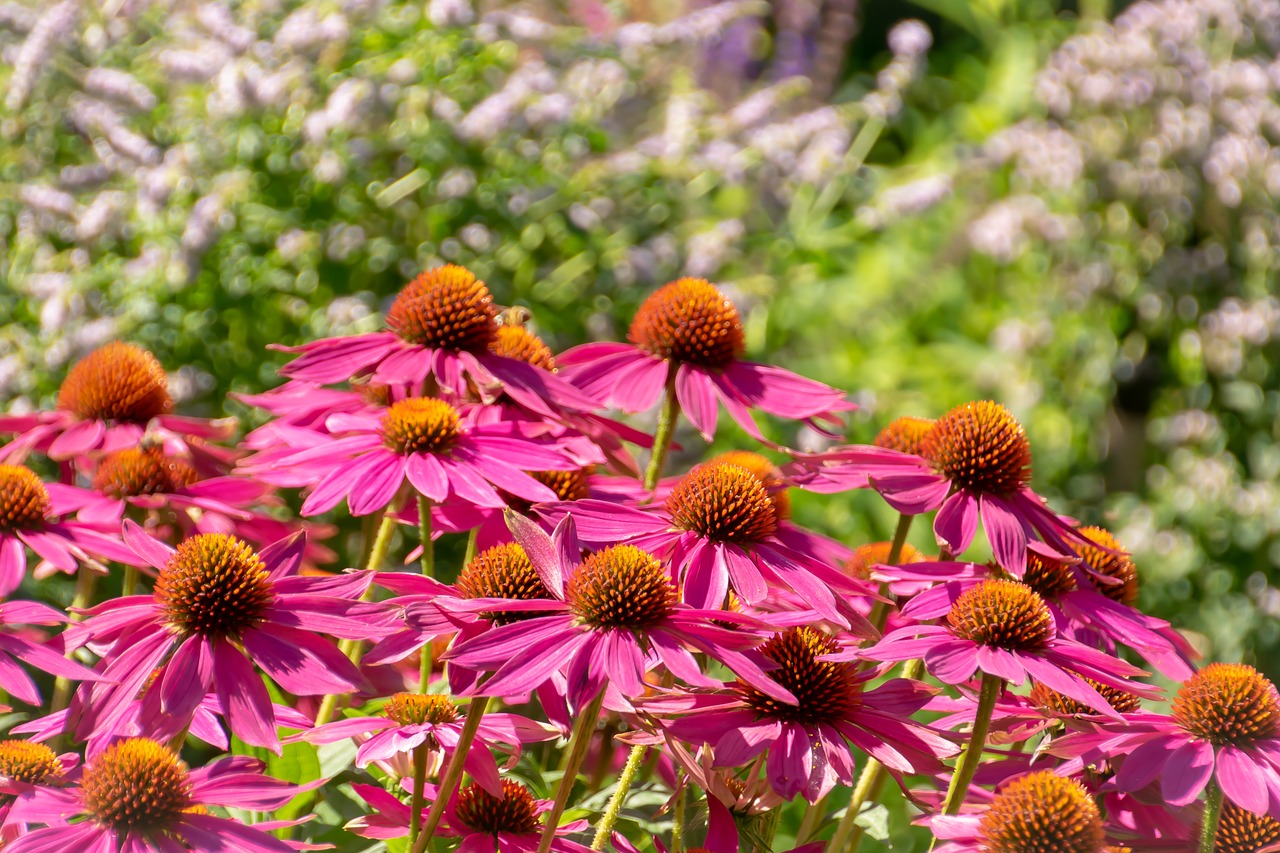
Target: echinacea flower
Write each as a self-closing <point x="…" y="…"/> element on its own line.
<point x="13" y="644"/>
<point x="1039" y="812"/>
<point x="424" y="441"/>
<point x="722" y="529"/>
<point x="688" y="336"/>
<point x="483" y="822"/>
<point x="106" y="403"/>
<point x="614" y="614"/>
<point x="45" y="518"/>
<point x="137" y="796"/>
<point x="1243" y="831"/>
<point x="973" y="463"/>
<point x="441" y="325"/>
<point x="1003" y="628"/>
<point x="1225" y="726"/>
<point x="413" y="720"/>
<point x="812" y="742"/>
<point x="218" y="608"/>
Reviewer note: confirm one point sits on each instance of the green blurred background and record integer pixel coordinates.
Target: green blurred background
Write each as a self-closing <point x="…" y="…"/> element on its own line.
<point x="921" y="202"/>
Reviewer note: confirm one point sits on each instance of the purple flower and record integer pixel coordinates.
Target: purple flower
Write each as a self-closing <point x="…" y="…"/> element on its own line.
<point x="218" y="608"/>
<point x="688" y="336"/>
<point x="138" y="797"/>
<point x="813" y="741"/>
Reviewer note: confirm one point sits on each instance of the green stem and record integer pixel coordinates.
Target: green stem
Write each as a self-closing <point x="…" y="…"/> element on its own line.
<point x="351" y="648"/>
<point x="677" y="820"/>
<point x="86" y="582"/>
<point x="870" y="783"/>
<point x="130" y="581"/>
<point x="452" y="773"/>
<point x="471" y="547"/>
<point x="880" y="610"/>
<point x="578" y="742"/>
<point x="662" y="436"/>
<point x="766" y="826"/>
<point x="428" y="569"/>
<point x="1212" y="811"/>
<point x="990" y="691"/>
<point x="611" y="812"/>
<point x="419" y="784"/>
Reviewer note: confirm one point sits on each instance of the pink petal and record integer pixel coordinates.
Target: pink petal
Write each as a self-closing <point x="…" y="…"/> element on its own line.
<point x="299" y="661"/>
<point x="1006" y="534"/>
<point x="1186" y="772"/>
<point x="956" y="522"/>
<point x="697" y="398"/>
<point x="1243" y="781"/>
<point x="243" y="698"/>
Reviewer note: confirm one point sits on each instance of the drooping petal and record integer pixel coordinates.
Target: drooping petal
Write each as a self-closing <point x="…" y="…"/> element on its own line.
<point x="243" y="697"/>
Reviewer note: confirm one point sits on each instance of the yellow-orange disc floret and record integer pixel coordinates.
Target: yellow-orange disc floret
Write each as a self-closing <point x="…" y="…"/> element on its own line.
<point x="445" y="308"/>
<point x="24" y="501"/>
<point x="1228" y="703"/>
<point x="1042" y="813"/>
<point x="117" y="381"/>
<point x="689" y="321"/>
<point x="981" y="448"/>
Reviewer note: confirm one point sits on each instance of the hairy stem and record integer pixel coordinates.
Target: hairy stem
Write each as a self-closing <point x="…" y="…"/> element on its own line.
<point x="662" y="436"/>
<point x="578" y="742"/>
<point x="419" y="784"/>
<point x="611" y="812"/>
<point x="1212" y="811"/>
<point x="452" y="773"/>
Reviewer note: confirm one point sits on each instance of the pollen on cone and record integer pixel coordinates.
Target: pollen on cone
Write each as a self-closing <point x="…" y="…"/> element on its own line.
<point x="826" y="691"/>
<point x="24" y="501"/>
<point x="981" y="448"/>
<point x="689" y="321"/>
<point x="1003" y="614"/>
<point x="1228" y="703"/>
<point x="137" y="785"/>
<point x="1042" y="813"/>
<point x="214" y="585"/>
<point x="445" y="308"/>
<point x="724" y="502"/>
<point x="118" y="381"/>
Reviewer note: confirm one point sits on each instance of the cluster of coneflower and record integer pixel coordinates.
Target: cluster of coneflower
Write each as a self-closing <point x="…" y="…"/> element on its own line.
<point x="682" y="631"/>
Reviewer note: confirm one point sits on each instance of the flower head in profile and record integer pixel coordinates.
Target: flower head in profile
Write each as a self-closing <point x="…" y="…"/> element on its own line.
<point x="413" y="720"/>
<point x="1003" y="628"/>
<point x="613" y="616"/>
<point x="973" y="463"/>
<point x="1040" y="812"/>
<point x="509" y="819"/>
<point x="106" y="402"/>
<point x="421" y="440"/>
<point x="1225" y="726"/>
<point x="443" y="325"/>
<point x="65" y="526"/>
<point x="812" y="741"/>
<point x="137" y="796"/>
<point x="724" y="529"/>
<point x="689" y="336"/>
<point x="218" y="608"/>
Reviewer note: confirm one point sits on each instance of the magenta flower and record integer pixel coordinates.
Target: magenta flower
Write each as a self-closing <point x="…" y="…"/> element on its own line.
<point x="613" y="616"/>
<point x="1004" y="629"/>
<point x="106" y="403"/>
<point x="422" y="440"/>
<point x="688" y="335"/>
<point x="218" y="608"/>
<point x="441" y="327"/>
<point x="723" y="529"/>
<point x="812" y="742"/>
<point x="14" y="644"/>
<point x="1040" y="805"/>
<point x="139" y="797"/>
<point x="1225" y="726"/>
<point x="64" y="525"/>
<point x="412" y="720"/>
<point x="973" y="463"/>
<point x="510" y="822"/>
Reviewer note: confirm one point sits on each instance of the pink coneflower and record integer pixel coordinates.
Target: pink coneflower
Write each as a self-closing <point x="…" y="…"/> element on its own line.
<point x="13" y="644"/>
<point x="412" y="720"/>
<point x="22" y="765"/>
<point x="688" y="335"/>
<point x="973" y="463"/>
<point x="46" y="517"/>
<point x="811" y="743"/>
<point x="218" y="608"/>
<point x="1225" y="725"/>
<point x="139" y="797"/>
<point x="422" y="440"/>
<point x="1034" y="813"/>
<point x="723" y="529"/>
<point x="613" y="616"/>
<point x="105" y="403"/>
<point x="483" y="822"/>
<point x="441" y="326"/>
<point x="1003" y="628"/>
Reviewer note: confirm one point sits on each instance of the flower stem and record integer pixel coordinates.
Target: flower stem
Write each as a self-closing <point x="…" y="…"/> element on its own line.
<point x="471" y="546"/>
<point x="129" y="583"/>
<point x="86" y="582"/>
<point x="419" y="784"/>
<point x="428" y="569"/>
<point x="578" y="742"/>
<point x="351" y="648"/>
<point x="880" y="610"/>
<point x="677" y="819"/>
<point x="611" y="812"/>
<point x="992" y="687"/>
<point x="452" y="773"/>
<point x="1212" y="811"/>
<point x="662" y="436"/>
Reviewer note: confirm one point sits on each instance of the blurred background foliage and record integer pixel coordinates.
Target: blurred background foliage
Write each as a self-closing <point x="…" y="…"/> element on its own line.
<point x="1070" y="208"/>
